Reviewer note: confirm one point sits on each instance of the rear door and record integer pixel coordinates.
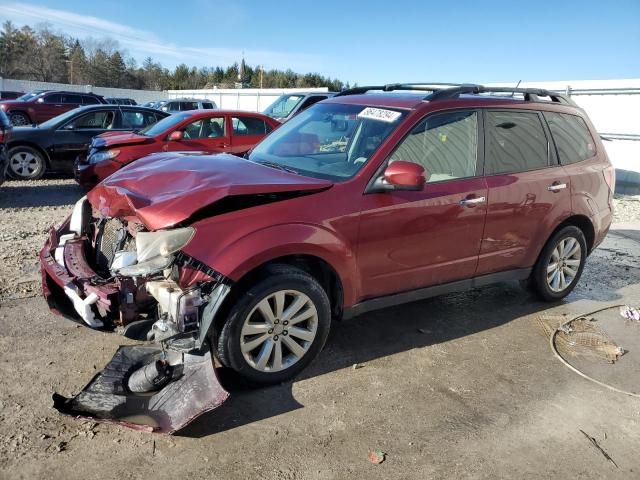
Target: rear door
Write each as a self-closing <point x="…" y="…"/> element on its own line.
<point x="247" y="131"/>
<point x="529" y="192"/>
<point x="51" y="106"/>
<point x="414" y="239"/>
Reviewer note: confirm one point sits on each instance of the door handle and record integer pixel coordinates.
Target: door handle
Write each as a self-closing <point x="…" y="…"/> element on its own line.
<point x="470" y="202"/>
<point x="556" y="187"/>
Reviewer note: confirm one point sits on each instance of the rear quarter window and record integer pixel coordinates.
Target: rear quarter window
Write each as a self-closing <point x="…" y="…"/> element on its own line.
<point x="571" y="136"/>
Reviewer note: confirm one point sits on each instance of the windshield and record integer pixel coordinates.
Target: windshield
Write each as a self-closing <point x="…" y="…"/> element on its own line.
<point x="329" y="141"/>
<point x="283" y="106"/>
<point x="164" y="125"/>
<point x="29" y="96"/>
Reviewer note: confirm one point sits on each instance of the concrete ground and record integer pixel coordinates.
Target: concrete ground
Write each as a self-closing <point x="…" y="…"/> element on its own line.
<point x="460" y="386"/>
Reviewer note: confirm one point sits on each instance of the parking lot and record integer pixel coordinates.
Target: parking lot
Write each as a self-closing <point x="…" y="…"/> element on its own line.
<point x="460" y="386"/>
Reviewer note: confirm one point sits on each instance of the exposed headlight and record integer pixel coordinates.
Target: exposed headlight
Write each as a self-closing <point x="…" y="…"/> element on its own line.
<point x="154" y="250"/>
<point x="164" y="243"/>
<point x="106" y="155"/>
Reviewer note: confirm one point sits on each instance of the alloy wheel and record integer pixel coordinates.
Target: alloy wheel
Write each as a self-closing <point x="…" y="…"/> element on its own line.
<point x="279" y="331"/>
<point x="24" y="164"/>
<point x="19" y="120"/>
<point x="564" y="264"/>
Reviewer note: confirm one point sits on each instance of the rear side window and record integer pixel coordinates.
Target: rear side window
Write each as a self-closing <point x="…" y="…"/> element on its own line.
<point x="445" y="144"/>
<point x="572" y="137"/>
<point x="515" y="142"/>
<point x="53" y="98"/>
<point x="73" y="99"/>
<point x="90" y="101"/>
<point x="248" y="126"/>
<point x="207" y="105"/>
<point x="136" y="120"/>
<point x="185" y="106"/>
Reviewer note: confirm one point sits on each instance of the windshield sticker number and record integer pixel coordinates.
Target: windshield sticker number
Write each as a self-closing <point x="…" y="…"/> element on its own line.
<point x="380" y="114"/>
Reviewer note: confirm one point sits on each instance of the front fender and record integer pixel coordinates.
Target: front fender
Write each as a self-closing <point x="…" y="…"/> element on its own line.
<point x="261" y="246"/>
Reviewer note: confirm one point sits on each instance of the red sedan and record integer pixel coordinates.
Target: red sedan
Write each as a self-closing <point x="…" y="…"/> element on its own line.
<point x="207" y="131"/>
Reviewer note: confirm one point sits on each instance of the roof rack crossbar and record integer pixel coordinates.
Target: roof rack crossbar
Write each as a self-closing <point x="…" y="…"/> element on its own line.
<point x="530" y="94"/>
<point x="390" y="87"/>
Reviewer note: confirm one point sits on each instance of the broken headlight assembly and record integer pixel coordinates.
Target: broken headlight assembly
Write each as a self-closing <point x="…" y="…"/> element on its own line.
<point x="106" y="155"/>
<point x="154" y="251"/>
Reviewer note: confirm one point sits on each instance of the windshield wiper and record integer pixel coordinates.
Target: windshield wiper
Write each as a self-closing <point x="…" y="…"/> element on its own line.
<point x="267" y="163"/>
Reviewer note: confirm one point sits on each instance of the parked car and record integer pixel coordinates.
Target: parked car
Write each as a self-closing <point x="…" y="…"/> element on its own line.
<point x="287" y="106"/>
<point x="361" y="202"/>
<point x="55" y="144"/>
<point x="187" y="104"/>
<point x="5" y="130"/>
<point x="41" y="105"/>
<point x="207" y="131"/>
<point x="9" y="95"/>
<point x="121" y="101"/>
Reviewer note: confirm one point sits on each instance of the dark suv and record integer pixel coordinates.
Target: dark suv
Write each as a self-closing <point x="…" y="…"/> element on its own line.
<point x="41" y="105"/>
<point x="360" y="202"/>
<point x="5" y="129"/>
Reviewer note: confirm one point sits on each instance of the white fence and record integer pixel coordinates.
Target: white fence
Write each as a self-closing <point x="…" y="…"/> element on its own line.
<point x="140" y="96"/>
<point x="250" y="99"/>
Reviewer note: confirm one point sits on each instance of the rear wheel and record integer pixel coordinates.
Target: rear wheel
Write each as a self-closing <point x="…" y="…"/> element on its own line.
<point x="276" y="328"/>
<point x="19" y="119"/>
<point x="26" y="163"/>
<point x="560" y="264"/>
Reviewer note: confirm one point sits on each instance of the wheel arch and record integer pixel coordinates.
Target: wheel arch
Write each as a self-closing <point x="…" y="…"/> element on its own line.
<point x="23" y="112"/>
<point x="584" y="223"/>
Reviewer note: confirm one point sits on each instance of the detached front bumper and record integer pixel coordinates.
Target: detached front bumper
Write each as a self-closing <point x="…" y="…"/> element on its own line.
<point x="69" y="284"/>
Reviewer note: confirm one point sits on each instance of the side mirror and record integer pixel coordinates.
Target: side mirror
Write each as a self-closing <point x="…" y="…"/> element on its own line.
<point x="401" y="175"/>
<point x="176" y="136"/>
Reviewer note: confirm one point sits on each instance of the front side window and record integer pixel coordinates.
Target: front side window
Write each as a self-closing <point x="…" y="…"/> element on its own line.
<point x="205" y="128"/>
<point x="53" y="98"/>
<point x="102" y="120"/>
<point x="572" y="137"/>
<point x="164" y="125"/>
<point x="515" y="142"/>
<point x="331" y="141"/>
<point x="72" y="99"/>
<point x="248" y="126"/>
<point x="445" y="144"/>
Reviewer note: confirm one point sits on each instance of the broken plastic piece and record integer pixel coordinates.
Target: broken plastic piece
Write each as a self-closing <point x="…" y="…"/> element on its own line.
<point x="107" y="398"/>
<point x="376" y="456"/>
<point x="630" y="313"/>
<point x="83" y="305"/>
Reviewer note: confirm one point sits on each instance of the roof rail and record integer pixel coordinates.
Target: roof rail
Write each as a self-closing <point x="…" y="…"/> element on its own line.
<point x="530" y="94"/>
<point x="390" y="87"/>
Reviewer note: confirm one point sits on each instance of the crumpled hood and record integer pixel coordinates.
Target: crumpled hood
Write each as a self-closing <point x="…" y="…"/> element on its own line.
<point x="112" y="139"/>
<point x="165" y="189"/>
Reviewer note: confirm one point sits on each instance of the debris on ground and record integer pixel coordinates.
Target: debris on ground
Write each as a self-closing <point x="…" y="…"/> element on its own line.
<point x="630" y="313"/>
<point x="356" y="366"/>
<point x="376" y="456"/>
<point x="595" y="443"/>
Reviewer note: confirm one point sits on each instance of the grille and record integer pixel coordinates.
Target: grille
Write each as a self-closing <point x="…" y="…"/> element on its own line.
<point x="110" y="239"/>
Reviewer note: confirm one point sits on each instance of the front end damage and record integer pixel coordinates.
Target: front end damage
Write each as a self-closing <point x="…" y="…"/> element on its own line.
<point x="113" y="274"/>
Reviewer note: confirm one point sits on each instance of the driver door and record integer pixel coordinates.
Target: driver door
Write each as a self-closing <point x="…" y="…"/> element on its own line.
<point x="415" y="239"/>
<point x="73" y="138"/>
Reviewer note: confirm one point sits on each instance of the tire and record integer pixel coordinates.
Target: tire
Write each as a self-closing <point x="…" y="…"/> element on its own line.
<point x="553" y="284"/>
<point x="19" y="119"/>
<point x="26" y="163"/>
<point x="238" y="345"/>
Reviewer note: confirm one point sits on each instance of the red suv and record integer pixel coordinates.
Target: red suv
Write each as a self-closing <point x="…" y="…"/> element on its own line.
<point x="206" y="131"/>
<point x="41" y="105"/>
<point x="363" y="201"/>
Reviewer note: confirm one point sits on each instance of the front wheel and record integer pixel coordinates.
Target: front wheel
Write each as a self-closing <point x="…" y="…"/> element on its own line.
<point x="19" y="119"/>
<point x="276" y="328"/>
<point x="560" y="264"/>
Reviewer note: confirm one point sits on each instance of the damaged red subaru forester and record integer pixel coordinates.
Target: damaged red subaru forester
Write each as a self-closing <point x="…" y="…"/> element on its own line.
<point x="363" y="201"/>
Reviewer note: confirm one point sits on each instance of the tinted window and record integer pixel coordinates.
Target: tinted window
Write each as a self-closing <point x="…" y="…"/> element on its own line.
<point x="248" y="126"/>
<point x="188" y="106"/>
<point x="53" y="98"/>
<point x="310" y="101"/>
<point x="165" y="124"/>
<point x="74" y="99"/>
<point x="102" y="120"/>
<point x="207" y="105"/>
<point x="90" y="100"/>
<point x="572" y="137"/>
<point x="515" y="142"/>
<point x="445" y="144"/>
<point x="136" y="120"/>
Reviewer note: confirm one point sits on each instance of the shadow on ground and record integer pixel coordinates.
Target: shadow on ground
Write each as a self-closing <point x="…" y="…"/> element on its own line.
<point x="35" y="193"/>
<point x="376" y="335"/>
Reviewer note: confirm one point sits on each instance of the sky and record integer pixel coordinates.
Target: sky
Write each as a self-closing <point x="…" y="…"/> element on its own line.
<point x="365" y="42"/>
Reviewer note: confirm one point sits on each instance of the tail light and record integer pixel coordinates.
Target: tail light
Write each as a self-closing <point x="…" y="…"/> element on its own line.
<point x="610" y="177"/>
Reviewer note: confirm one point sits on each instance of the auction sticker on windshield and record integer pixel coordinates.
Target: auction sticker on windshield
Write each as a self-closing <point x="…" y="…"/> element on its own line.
<point x="379" y="114"/>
